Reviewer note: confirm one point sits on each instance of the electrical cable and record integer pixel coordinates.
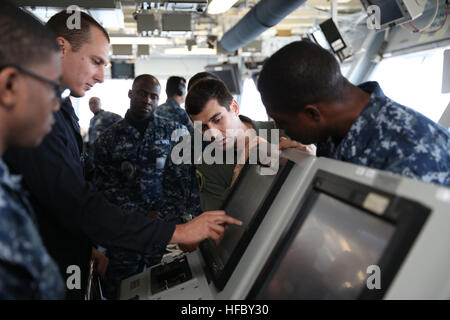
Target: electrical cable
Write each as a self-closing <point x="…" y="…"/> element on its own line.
<point x="434" y="17"/>
<point x="416" y="30"/>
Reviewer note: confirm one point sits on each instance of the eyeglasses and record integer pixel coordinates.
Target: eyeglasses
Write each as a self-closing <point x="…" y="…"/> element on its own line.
<point x="61" y="92"/>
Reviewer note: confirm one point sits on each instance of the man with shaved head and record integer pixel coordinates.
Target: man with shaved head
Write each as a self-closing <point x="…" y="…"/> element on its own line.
<point x="101" y="120"/>
<point x="304" y="91"/>
<point x="129" y="159"/>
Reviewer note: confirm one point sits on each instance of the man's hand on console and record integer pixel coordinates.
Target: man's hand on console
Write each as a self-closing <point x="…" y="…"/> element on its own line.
<point x="210" y="224"/>
<point x="286" y="143"/>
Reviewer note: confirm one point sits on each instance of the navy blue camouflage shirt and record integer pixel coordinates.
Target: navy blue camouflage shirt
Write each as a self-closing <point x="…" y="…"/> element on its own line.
<point x="26" y="269"/>
<point x="100" y="122"/>
<point x="171" y="110"/>
<point x="392" y="137"/>
<point x="130" y="168"/>
<point x="181" y="192"/>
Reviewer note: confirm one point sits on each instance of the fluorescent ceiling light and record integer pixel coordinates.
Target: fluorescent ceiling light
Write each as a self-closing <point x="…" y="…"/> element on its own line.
<point x="220" y="6"/>
<point x="140" y="40"/>
<point x="108" y="18"/>
<point x="185" y="52"/>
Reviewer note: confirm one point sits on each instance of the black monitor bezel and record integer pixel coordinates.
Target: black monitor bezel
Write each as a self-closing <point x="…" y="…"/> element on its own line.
<point x="327" y="27"/>
<point x="408" y="223"/>
<point x="391" y="23"/>
<point x="117" y="75"/>
<point x="220" y="280"/>
<point x="236" y="76"/>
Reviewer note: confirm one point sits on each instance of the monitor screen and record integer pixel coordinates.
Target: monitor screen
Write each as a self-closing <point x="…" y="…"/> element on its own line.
<point x="249" y="201"/>
<point x="389" y="10"/>
<point x="122" y="70"/>
<point x="319" y="38"/>
<point x="176" y="22"/>
<point x="342" y="232"/>
<point x="332" y="35"/>
<point x="228" y="73"/>
<point x="330" y="253"/>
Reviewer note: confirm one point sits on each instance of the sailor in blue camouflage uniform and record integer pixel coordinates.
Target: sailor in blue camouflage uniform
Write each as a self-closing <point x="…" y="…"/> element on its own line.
<point x="101" y="120"/>
<point x="129" y="168"/>
<point x="176" y="94"/>
<point x="304" y="91"/>
<point x="392" y="137"/>
<point x="26" y="269"/>
<point x="181" y="191"/>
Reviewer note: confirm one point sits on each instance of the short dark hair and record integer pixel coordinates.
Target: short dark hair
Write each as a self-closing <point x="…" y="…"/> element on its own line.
<point x="203" y="91"/>
<point x="299" y="74"/>
<point x="143" y="77"/>
<point x="198" y="76"/>
<point x="76" y="37"/>
<point x="175" y="86"/>
<point x="24" y="40"/>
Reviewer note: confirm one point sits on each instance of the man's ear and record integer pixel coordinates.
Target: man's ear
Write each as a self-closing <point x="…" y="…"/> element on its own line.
<point x="234" y="107"/>
<point x="9" y="88"/>
<point x="64" y="45"/>
<point x="312" y="112"/>
<point x="130" y="94"/>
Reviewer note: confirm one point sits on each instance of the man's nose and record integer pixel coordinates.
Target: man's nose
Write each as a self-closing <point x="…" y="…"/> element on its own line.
<point x="215" y="133"/>
<point x="100" y="75"/>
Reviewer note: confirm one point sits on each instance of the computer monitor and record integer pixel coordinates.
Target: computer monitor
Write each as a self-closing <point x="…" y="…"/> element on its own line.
<point x="176" y="22"/>
<point x="249" y="201"/>
<point x="327" y="36"/>
<point x="389" y="10"/>
<point x="122" y="70"/>
<point x="393" y="12"/>
<point x="335" y="39"/>
<point x="316" y="35"/>
<point x="342" y="233"/>
<point x="228" y="73"/>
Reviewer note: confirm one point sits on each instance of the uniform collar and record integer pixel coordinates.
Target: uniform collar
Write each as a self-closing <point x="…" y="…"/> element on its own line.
<point x="66" y="106"/>
<point x="99" y="113"/>
<point x="7" y="179"/>
<point x="172" y="102"/>
<point x="248" y="120"/>
<point x="135" y="127"/>
<point x="362" y="129"/>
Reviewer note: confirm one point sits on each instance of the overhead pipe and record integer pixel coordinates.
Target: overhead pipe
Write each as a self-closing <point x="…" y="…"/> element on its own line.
<point x="264" y="15"/>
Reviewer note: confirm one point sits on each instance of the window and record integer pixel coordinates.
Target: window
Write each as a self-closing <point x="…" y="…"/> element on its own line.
<point x="415" y="80"/>
<point x="251" y="104"/>
<point x="113" y="94"/>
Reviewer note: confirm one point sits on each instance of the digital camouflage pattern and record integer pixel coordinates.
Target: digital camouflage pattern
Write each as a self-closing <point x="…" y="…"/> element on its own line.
<point x="100" y="122"/>
<point x="26" y="269"/>
<point x="171" y="110"/>
<point x="181" y="194"/>
<point x="392" y="137"/>
<point x="130" y="171"/>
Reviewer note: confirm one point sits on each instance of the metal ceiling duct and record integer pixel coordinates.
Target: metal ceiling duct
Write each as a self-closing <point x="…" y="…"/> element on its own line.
<point x="264" y="15"/>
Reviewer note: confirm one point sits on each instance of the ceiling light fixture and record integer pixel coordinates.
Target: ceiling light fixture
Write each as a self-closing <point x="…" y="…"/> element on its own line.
<point x="220" y="6"/>
<point x="140" y="40"/>
<point x="194" y="51"/>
